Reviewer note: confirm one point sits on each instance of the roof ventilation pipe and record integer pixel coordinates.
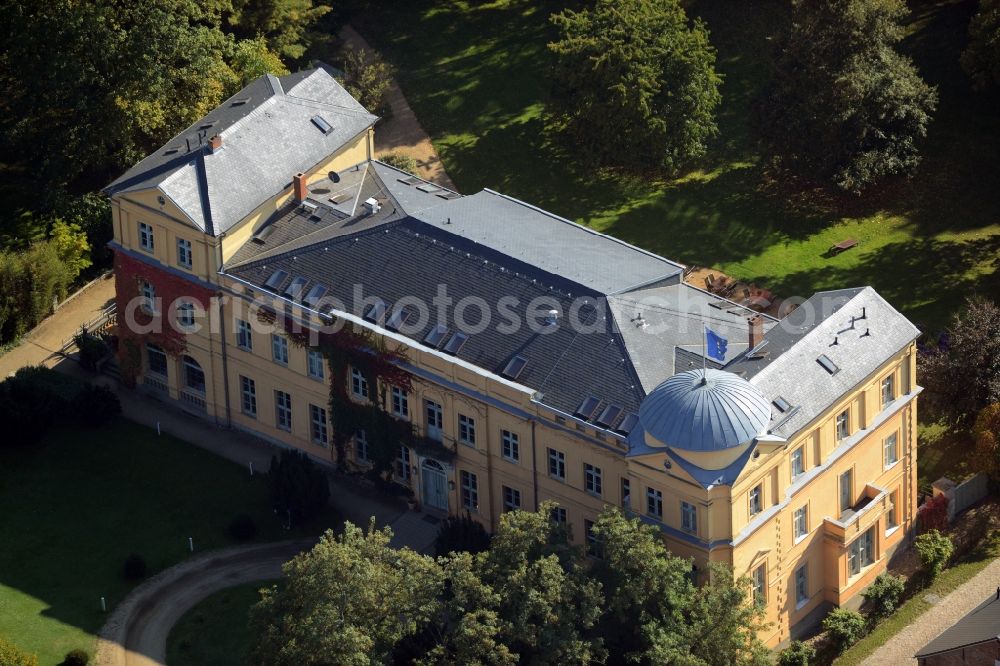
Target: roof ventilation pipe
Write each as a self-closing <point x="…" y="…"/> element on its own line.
<point x="552" y="317"/>
<point x="372" y="205"/>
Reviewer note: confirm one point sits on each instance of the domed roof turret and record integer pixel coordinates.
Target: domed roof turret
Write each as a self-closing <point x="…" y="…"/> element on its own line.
<point x="704" y="410"/>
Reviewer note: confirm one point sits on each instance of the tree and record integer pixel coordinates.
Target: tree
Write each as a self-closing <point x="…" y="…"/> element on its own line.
<point x="961" y="375"/>
<point x="843" y="106"/>
<point x="935" y="549"/>
<point x="461" y="533"/>
<point x="635" y="82"/>
<point x="986" y="433"/>
<point x="284" y="23"/>
<point x="349" y="600"/>
<point x="981" y="58"/>
<point x="797" y="654"/>
<point x="71" y="246"/>
<point x="884" y="594"/>
<point x="368" y="78"/>
<point x="844" y="626"/>
<point x="299" y="488"/>
<point x="252" y="58"/>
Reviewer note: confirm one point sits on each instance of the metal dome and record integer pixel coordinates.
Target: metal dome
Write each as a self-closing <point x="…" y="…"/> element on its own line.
<point x="704" y="410"/>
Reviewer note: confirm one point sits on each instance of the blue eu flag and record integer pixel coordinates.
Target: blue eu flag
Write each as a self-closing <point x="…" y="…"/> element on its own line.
<point x="715" y="345"/>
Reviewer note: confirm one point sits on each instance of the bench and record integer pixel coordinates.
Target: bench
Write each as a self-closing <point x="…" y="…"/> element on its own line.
<point x="843" y="246"/>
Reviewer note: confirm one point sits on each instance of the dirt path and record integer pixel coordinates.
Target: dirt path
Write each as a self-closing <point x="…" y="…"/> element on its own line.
<point x="946" y="612"/>
<point x="401" y="132"/>
<point x="136" y="632"/>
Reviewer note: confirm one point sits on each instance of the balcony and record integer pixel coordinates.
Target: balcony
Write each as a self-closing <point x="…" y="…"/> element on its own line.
<point x="193" y="401"/>
<point x="156" y="384"/>
<point x="873" y="503"/>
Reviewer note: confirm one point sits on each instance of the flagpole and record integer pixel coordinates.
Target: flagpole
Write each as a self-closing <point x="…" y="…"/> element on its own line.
<point x="704" y="354"/>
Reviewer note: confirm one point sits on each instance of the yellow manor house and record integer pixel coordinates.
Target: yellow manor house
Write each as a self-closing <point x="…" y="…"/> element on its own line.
<point x="545" y="361"/>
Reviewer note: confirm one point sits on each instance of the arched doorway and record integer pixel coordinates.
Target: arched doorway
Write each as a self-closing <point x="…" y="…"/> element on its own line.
<point x="434" y="483"/>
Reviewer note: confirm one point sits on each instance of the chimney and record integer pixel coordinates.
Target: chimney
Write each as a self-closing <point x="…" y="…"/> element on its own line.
<point x="756" y="330"/>
<point x="215" y="144"/>
<point x="299" y="188"/>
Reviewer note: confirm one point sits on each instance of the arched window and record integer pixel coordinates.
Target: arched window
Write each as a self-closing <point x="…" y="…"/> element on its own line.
<point x="194" y="376"/>
<point x="156" y="359"/>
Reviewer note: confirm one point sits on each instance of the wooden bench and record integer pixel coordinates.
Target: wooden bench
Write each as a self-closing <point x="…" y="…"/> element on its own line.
<point x="843" y="245"/>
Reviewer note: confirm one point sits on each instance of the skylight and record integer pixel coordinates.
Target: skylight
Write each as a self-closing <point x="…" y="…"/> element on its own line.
<point x="294" y="290"/>
<point x="587" y="408"/>
<point x="609" y="416"/>
<point x="625" y="427"/>
<point x="317" y="292"/>
<point x="321" y="123"/>
<point x="400" y="317"/>
<point x="782" y="404"/>
<point x="433" y="339"/>
<point x="456" y="342"/>
<point x="827" y="364"/>
<point x="376" y="311"/>
<point x="514" y="367"/>
<point x="277" y="277"/>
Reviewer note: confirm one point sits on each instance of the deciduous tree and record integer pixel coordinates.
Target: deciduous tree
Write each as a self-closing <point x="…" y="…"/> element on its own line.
<point x="844" y="106"/>
<point x="981" y="58"/>
<point x="635" y="82"/>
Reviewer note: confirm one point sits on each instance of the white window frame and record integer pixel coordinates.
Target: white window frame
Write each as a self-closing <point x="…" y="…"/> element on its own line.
<point x="593" y="482"/>
<point x="861" y="553"/>
<point x="892" y="448"/>
<point x="759" y="579"/>
<point x="800" y="523"/>
<point x="146" y="240"/>
<point x="359" y="385"/>
<point x="558" y="515"/>
<point x="400" y="402"/>
<point x="315" y="363"/>
<point x="470" y="490"/>
<point x="843" y="425"/>
<point x="403" y="470"/>
<point x="361" y="447"/>
<point x="654" y="503"/>
<point x="798" y="462"/>
<point x="801" y="585"/>
<point x="248" y="396"/>
<point x="892" y="515"/>
<point x="466" y="430"/>
<point x="185" y="314"/>
<point x="434" y="414"/>
<point x="318" y="429"/>
<point x="244" y="335"/>
<point x="755" y="499"/>
<point x="557" y="464"/>
<point x="626" y="490"/>
<point x="845" y="493"/>
<point x="148" y="292"/>
<point x="510" y="446"/>
<point x="511" y="499"/>
<point x="689" y="517"/>
<point x="888" y="390"/>
<point x="283" y="410"/>
<point x="153" y="349"/>
<point x="185" y="259"/>
<point x="279" y="349"/>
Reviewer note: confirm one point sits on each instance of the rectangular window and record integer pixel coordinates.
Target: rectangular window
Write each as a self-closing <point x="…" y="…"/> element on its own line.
<point x="466" y="430"/>
<point x="595" y="547"/>
<point x="802" y="584"/>
<point x="359" y="385"/>
<point x="156" y="359"/>
<point x="626" y="494"/>
<point x="509" y="447"/>
<point x="400" y="403"/>
<point x="148" y="297"/>
<point x="146" y="236"/>
<point x="558" y="515"/>
<point x="888" y="391"/>
<point x="756" y="500"/>
<point x="800" y="521"/>
<point x="861" y="553"/>
<point x="184" y="253"/>
<point x="314" y="359"/>
<point x="248" y="392"/>
<point x="511" y="499"/>
<point x="846" y="490"/>
<point x="185" y="314"/>
<point x="470" y="491"/>
<point x="283" y="410"/>
<point x="891" y="450"/>
<point x="244" y="335"/>
<point x="798" y="462"/>
<point x="361" y="446"/>
<point x="403" y="463"/>
<point x="557" y="464"/>
<point x="279" y="349"/>
<point x="689" y="518"/>
<point x="759" y="579"/>
<point x="654" y="503"/>
<point x="317" y="418"/>
<point x="592" y="479"/>
<point x="843" y="427"/>
<point x="891" y="519"/>
<point x="435" y="420"/>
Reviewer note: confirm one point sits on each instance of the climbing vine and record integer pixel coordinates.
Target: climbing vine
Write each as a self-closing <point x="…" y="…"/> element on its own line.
<point x="153" y="328"/>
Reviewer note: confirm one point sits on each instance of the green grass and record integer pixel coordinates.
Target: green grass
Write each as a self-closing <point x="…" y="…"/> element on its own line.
<point x="476" y="75"/>
<point x="214" y="633"/>
<point x="74" y="507"/>
<point x="909" y="612"/>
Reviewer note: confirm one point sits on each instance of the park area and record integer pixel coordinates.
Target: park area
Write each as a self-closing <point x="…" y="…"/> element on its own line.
<point x="477" y="76"/>
<point x="80" y="502"/>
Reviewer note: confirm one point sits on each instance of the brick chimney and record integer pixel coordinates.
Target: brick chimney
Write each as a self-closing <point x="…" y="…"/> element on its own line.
<point x="756" y="324"/>
<point x="214" y="144"/>
<point x="299" y="189"/>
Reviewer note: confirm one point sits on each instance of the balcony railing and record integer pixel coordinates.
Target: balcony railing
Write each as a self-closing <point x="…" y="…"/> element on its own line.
<point x="193" y="399"/>
<point x="156" y="384"/>
<point x="873" y="503"/>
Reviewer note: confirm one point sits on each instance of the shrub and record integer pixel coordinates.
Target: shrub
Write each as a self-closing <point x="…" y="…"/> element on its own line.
<point x="844" y="627"/>
<point x="96" y="406"/>
<point x="461" y="533"/>
<point x="134" y="567"/>
<point x="76" y="658"/>
<point x="401" y="162"/>
<point x="367" y="77"/>
<point x="797" y="654"/>
<point x="298" y="486"/>
<point x="92" y="349"/>
<point x="933" y="514"/>
<point x="11" y="655"/>
<point x="29" y="404"/>
<point x="935" y="550"/>
<point x="243" y="528"/>
<point x="884" y="594"/>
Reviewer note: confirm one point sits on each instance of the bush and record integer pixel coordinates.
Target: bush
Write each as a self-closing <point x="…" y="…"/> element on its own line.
<point x="76" y="658"/>
<point x="884" y="594"/>
<point x="797" y="654"/>
<point x="401" y="162"/>
<point x="243" y="528"/>
<point x="844" y="627"/>
<point x="933" y="514"/>
<point x="92" y="349"/>
<point x="11" y="655"/>
<point x="29" y="405"/>
<point x="96" y="406"/>
<point x="461" y="533"/>
<point x="367" y="77"/>
<point x="935" y="550"/>
<point x="134" y="567"/>
<point x="298" y="486"/>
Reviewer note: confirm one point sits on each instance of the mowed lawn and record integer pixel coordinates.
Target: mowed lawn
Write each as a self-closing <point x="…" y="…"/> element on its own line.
<point x="476" y="75"/>
<point x="74" y="507"/>
<point x="215" y="632"/>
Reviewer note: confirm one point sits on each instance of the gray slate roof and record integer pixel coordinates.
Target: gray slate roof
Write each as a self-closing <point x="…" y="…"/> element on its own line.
<point x="979" y="626"/>
<point x="266" y="139"/>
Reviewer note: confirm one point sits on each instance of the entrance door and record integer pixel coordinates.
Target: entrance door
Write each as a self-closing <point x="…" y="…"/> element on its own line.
<point x="435" y="484"/>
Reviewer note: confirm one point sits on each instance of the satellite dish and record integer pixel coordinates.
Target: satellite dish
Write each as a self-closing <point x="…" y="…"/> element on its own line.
<point x="334" y="177"/>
